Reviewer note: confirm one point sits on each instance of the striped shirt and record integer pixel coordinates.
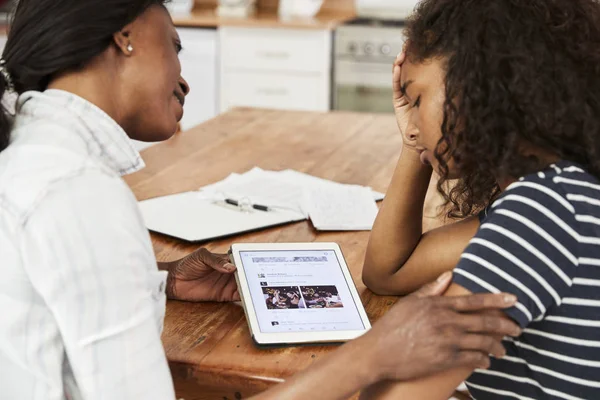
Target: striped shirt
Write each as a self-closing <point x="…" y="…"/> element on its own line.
<point x="541" y="241"/>
<point x="81" y="299"/>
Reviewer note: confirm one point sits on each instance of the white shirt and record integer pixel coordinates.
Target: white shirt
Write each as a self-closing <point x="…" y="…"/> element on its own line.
<point x="82" y="301"/>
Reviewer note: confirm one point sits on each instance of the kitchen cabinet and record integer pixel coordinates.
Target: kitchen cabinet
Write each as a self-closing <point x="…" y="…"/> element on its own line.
<point x="199" y="67"/>
<point x="275" y="68"/>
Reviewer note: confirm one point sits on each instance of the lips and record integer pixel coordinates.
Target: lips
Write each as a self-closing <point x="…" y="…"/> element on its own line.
<point x="180" y="98"/>
<point x="424" y="156"/>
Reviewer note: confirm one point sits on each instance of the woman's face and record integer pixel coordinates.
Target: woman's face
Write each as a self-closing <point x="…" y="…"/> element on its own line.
<point x="424" y="87"/>
<point x="154" y="90"/>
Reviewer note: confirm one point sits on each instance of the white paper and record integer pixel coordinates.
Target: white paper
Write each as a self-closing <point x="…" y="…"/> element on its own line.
<point x="290" y="190"/>
<point x="309" y="180"/>
<point x="259" y="187"/>
<point x="341" y="207"/>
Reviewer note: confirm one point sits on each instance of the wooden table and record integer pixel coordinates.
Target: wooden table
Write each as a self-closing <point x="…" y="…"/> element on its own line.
<point x="208" y="345"/>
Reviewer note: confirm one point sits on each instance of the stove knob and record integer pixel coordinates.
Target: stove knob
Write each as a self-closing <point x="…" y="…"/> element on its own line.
<point x="352" y="47"/>
<point x="369" y="48"/>
<point x="386" y="49"/>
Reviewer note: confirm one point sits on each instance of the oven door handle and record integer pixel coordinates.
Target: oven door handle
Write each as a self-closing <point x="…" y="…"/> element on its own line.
<point x="366" y="90"/>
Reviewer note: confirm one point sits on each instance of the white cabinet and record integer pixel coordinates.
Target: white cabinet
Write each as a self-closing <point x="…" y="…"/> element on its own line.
<point x="199" y="67"/>
<point x="275" y="68"/>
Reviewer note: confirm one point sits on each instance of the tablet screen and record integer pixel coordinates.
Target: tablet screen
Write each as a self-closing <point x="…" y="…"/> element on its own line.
<point x="300" y="291"/>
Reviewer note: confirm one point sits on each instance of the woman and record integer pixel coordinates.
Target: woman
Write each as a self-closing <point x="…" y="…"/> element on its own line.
<point x="503" y="97"/>
<point x="81" y="297"/>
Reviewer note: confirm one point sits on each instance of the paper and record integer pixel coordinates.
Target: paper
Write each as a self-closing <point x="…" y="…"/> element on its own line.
<point x="354" y="206"/>
<point x="259" y="187"/>
<point x="341" y="207"/>
<point x="309" y="180"/>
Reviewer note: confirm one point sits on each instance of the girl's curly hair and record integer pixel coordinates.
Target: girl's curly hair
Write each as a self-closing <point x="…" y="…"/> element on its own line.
<point x="518" y="72"/>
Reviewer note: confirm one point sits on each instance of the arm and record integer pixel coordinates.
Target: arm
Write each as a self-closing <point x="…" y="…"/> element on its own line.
<point x="436" y="387"/>
<point x="406" y="350"/>
<point x="400" y="258"/>
<point x="527" y="246"/>
<point x="350" y="376"/>
<point x="91" y="262"/>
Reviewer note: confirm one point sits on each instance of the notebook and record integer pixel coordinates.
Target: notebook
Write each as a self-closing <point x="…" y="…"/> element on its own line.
<point x="189" y="217"/>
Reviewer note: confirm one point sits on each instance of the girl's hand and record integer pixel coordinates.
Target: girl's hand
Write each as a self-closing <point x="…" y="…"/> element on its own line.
<point x="402" y="107"/>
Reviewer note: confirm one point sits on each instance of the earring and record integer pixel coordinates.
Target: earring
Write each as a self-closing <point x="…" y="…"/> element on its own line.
<point x="130" y="48"/>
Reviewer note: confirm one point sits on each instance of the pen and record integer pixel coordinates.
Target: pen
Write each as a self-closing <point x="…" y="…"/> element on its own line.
<point x="255" y="206"/>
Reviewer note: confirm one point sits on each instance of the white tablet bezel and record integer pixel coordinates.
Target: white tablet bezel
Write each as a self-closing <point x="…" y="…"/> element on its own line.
<point x="295" y="337"/>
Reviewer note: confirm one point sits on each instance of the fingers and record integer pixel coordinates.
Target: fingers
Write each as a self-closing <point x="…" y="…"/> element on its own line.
<point x="399" y="99"/>
<point x="491" y="324"/>
<point x="484" y="344"/>
<point x="471" y="359"/>
<point x="218" y="262"/>
<point x="478" y="302"/>
<point x="436" y="288"/>
<point x="400" y="58"/>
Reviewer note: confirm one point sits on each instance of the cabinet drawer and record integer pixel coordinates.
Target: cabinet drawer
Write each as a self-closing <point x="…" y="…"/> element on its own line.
<point x="275" y="49"/>
<point x="279" y="91"/>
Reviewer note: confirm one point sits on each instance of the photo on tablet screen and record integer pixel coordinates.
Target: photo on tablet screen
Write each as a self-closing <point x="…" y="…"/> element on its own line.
<point x="294" y="291"/>
<point x="321" y="297"/>
<point x="283" y="298"/>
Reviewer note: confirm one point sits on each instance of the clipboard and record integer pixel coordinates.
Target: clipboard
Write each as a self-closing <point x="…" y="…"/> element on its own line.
<point x="189" y="217"/>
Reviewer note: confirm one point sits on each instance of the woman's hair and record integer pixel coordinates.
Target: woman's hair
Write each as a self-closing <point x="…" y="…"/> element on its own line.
<point x="518" y="73"/>
<point x="50" y="37"/>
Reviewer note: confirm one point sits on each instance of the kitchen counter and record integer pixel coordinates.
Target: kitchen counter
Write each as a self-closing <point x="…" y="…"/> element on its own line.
<point x="208" y="18"/>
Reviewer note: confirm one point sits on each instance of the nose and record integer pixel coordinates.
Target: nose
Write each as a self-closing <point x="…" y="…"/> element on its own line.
<point x="412" y="131"/>
<point x="185" y="88"/>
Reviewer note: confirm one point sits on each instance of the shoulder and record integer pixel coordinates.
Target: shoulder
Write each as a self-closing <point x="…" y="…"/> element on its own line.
<point x="32" y="171"/>
<point x="87" y="194"/>
<point x="547" y="193"/>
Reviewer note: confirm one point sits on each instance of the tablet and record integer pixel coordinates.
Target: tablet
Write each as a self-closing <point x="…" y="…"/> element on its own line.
<point x="296" y="293"/>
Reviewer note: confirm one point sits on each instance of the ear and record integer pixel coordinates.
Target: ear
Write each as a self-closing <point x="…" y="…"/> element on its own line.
<point x="122" y="40"/>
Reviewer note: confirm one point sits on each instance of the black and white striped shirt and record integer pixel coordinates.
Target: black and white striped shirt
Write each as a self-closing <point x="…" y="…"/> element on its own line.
<point x="541" y="241"/>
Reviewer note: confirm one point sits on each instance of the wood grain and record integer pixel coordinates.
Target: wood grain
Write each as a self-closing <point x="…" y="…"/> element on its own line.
<point x="208" y="345"/>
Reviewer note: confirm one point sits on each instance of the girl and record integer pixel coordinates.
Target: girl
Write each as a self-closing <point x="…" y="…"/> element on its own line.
<point x="502" y="97"/>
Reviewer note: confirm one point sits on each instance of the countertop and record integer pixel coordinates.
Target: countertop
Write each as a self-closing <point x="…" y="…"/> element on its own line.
<point x="208" y="18"/>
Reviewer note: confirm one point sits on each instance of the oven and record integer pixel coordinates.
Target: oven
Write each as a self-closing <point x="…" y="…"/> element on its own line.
<point x="364" y="52"/>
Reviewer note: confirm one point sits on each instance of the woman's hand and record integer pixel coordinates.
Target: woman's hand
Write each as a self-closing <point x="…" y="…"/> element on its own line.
<point x="424" y="334"/>
<point x="402" y="107"/>
<point x="202" y="276"/>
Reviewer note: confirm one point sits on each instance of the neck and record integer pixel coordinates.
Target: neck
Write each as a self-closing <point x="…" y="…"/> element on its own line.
<point x="545" y="157"/>
<point x="95" y="86"/>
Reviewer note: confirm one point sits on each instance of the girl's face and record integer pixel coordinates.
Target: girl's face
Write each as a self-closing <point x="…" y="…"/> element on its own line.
<point x="424" y="88"/>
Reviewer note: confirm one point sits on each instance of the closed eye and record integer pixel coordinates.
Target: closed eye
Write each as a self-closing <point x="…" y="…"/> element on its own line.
<point x="178" y="47"/>
<point x="417" y="102"/>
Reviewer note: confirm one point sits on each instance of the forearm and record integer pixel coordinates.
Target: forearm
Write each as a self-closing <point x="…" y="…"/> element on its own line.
<point x="338" y="376"/>
<point x="437" y="387"/>
<point x="398" y="227"/>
